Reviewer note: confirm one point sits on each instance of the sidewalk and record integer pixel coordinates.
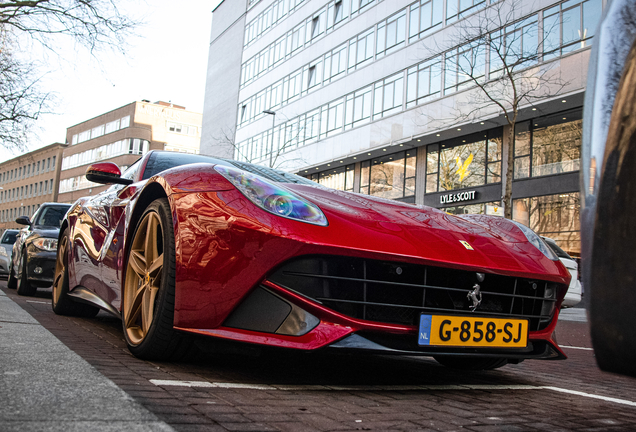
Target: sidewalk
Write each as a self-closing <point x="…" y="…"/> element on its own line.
<point x="44" y="386"/>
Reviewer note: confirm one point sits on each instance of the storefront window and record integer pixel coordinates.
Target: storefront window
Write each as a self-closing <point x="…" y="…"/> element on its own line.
<point x="456" y="164"/>
<point x="554" y="216"/>
<point x="391" y="176"/>
<point x="548" y="145"/>
<point x="339" y="178"/>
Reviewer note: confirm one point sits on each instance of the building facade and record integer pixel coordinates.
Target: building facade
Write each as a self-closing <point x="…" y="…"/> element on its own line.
<point x="376" y="97"/>
<point x="122" y="136"/>
<point x="28" y="181"/>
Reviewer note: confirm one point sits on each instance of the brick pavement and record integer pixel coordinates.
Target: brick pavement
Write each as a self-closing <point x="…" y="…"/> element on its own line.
<point x="370" y="407"/>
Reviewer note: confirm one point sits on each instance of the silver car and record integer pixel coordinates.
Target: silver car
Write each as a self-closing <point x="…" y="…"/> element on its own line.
<point x="6" y="244"/>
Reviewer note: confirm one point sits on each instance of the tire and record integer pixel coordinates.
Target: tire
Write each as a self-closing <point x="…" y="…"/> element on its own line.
<point x="24" y="286"/>
<point x="12" y="282"/>
<point x="471" y="363"/>
<point x="61" y="302"/>
<point x="149" y="288"/>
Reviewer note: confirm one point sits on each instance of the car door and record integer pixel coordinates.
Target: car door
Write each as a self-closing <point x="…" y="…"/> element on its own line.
<point x="114" y="206"/>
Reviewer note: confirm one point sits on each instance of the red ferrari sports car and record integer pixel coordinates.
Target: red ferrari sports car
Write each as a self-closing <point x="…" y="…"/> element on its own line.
<point x="186" y="244"/>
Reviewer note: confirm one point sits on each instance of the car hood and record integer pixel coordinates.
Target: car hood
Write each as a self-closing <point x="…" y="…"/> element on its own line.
<point x="492" y="243"/>
<point x="45" y="231"/>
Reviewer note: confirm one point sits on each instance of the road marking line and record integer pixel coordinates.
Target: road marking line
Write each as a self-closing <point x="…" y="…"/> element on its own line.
<point x="34" y="301"/>
<point x="579" y="348"/>
<point x="578" y="393"/>
<point x="168" y="383"/>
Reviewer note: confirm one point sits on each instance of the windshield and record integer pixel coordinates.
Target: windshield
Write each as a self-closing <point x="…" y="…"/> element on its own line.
<point x="160" y="161"/>
<point x="51" y="216"/>
<point x="9" y="237"/>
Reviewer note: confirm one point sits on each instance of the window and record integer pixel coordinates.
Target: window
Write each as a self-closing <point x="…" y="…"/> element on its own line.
<point x="391" y="176"/>
<point x="548" y="145"/>
<point x="315" y="27"/>
<point x="425" y="16"/>
<point x="463" y="66"/>
<point x="338" y="12"/>
<point x="361" y="50"/>
<point x="358" y="108"/>
<point x="424" y="82"/>
<point x="333" y="119"/>
<point x="314" y="75"/>
<point x="569" y="26"/>
<point x="464" y="162"/>
<point x="340" y="178"/>
<point x="336" y="63"/>
<point x="388" y="96"/>
<point x="554" y="216"/>
<point x="517" y="44"/>
<point x="112" y="126"/>
<point x="460" y="8"/>
<point x="297" y="38"/>
<point x="391" y="34"/>
<point x="97" y="132"/>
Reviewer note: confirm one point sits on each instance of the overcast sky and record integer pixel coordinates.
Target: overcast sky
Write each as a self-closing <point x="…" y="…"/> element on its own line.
<point x="166" y="62"/>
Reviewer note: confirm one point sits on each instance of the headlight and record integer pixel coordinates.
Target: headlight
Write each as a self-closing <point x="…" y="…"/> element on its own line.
<point x="537" y="241"/>
<point x="3" y="252"/>
<point x="47" y="244"/>
<point x="272" y="197"/>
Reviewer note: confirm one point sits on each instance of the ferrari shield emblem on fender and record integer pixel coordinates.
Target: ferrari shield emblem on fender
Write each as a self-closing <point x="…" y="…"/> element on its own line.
<point x="466" y="245"/>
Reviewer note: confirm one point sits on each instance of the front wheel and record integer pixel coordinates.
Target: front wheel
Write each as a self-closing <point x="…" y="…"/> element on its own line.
<point x="12" y="282"/>
<point x="149" y="288"/>
<point x="471" y="363"/>
<point x="61" y="303"/>
<point x="24" y="286"/>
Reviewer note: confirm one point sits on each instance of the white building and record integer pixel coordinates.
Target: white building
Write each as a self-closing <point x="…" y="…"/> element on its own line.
<point x="367" y="96"/>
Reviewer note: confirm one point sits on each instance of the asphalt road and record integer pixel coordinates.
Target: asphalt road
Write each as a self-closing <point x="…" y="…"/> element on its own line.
<point x="240" y="388"/>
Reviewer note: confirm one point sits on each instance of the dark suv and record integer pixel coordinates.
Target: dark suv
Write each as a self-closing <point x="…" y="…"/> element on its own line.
<point x="34" y="252"/>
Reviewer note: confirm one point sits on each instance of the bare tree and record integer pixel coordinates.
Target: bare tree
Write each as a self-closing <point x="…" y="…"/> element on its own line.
<point x="94" y="24"/>
<point x="263" y="153"/>
<point x="500" y="54"/>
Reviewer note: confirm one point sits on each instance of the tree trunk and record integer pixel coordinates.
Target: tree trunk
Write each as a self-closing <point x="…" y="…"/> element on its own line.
<point x="507" y="199"/>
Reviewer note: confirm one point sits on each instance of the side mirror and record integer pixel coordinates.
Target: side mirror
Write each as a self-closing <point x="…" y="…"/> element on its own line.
<point x="23" y="220"/>
<point x="106" y="173"/>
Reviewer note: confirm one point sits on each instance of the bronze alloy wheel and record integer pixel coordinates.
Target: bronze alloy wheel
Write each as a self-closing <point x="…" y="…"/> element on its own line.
<point x="61" y="303"/>
<point x="60" y="270"/>
<point x="149" y="288"/>
<point x="143" y="278"/>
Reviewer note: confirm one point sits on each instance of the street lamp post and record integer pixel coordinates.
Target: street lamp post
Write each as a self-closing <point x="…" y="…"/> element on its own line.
<point x="271" y="154"/>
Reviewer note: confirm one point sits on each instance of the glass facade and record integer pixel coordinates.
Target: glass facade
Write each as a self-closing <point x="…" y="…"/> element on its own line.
<point x="391" y="176"/>
<point x="548" y="145"/>
<point x="464" y="162"/>
<point x="554" y="216"/>
<point x="340" y="178"/>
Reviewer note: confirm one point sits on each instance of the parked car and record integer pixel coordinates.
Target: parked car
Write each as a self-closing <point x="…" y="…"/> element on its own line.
<point x="574" y="294"/>
<point x="6" y="244"/>
<point x="35" y="250"/>
<point x="608" y="185"/>
<point x="187" y="244"/>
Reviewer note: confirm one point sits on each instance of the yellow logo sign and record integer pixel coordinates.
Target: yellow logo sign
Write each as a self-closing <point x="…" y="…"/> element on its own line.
<point x="463" y="167"/>
<point x="466" y="245"/>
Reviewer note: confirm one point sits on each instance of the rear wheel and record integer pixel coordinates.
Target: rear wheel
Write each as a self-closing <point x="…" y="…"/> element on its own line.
<point x="149" y="288"/>
<point x="61" y="302"/>
<point x="471" y="363"/>
<point x="24" y="286"/>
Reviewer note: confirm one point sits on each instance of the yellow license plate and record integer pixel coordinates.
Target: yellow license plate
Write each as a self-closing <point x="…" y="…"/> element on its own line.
<point x="462" y="331"/>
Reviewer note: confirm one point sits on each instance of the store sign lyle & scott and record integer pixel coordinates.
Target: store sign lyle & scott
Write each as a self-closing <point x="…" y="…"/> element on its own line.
<point x="457" y="197"/>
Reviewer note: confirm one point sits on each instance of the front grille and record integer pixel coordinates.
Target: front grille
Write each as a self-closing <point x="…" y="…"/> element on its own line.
<point x="397" y="293"/>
